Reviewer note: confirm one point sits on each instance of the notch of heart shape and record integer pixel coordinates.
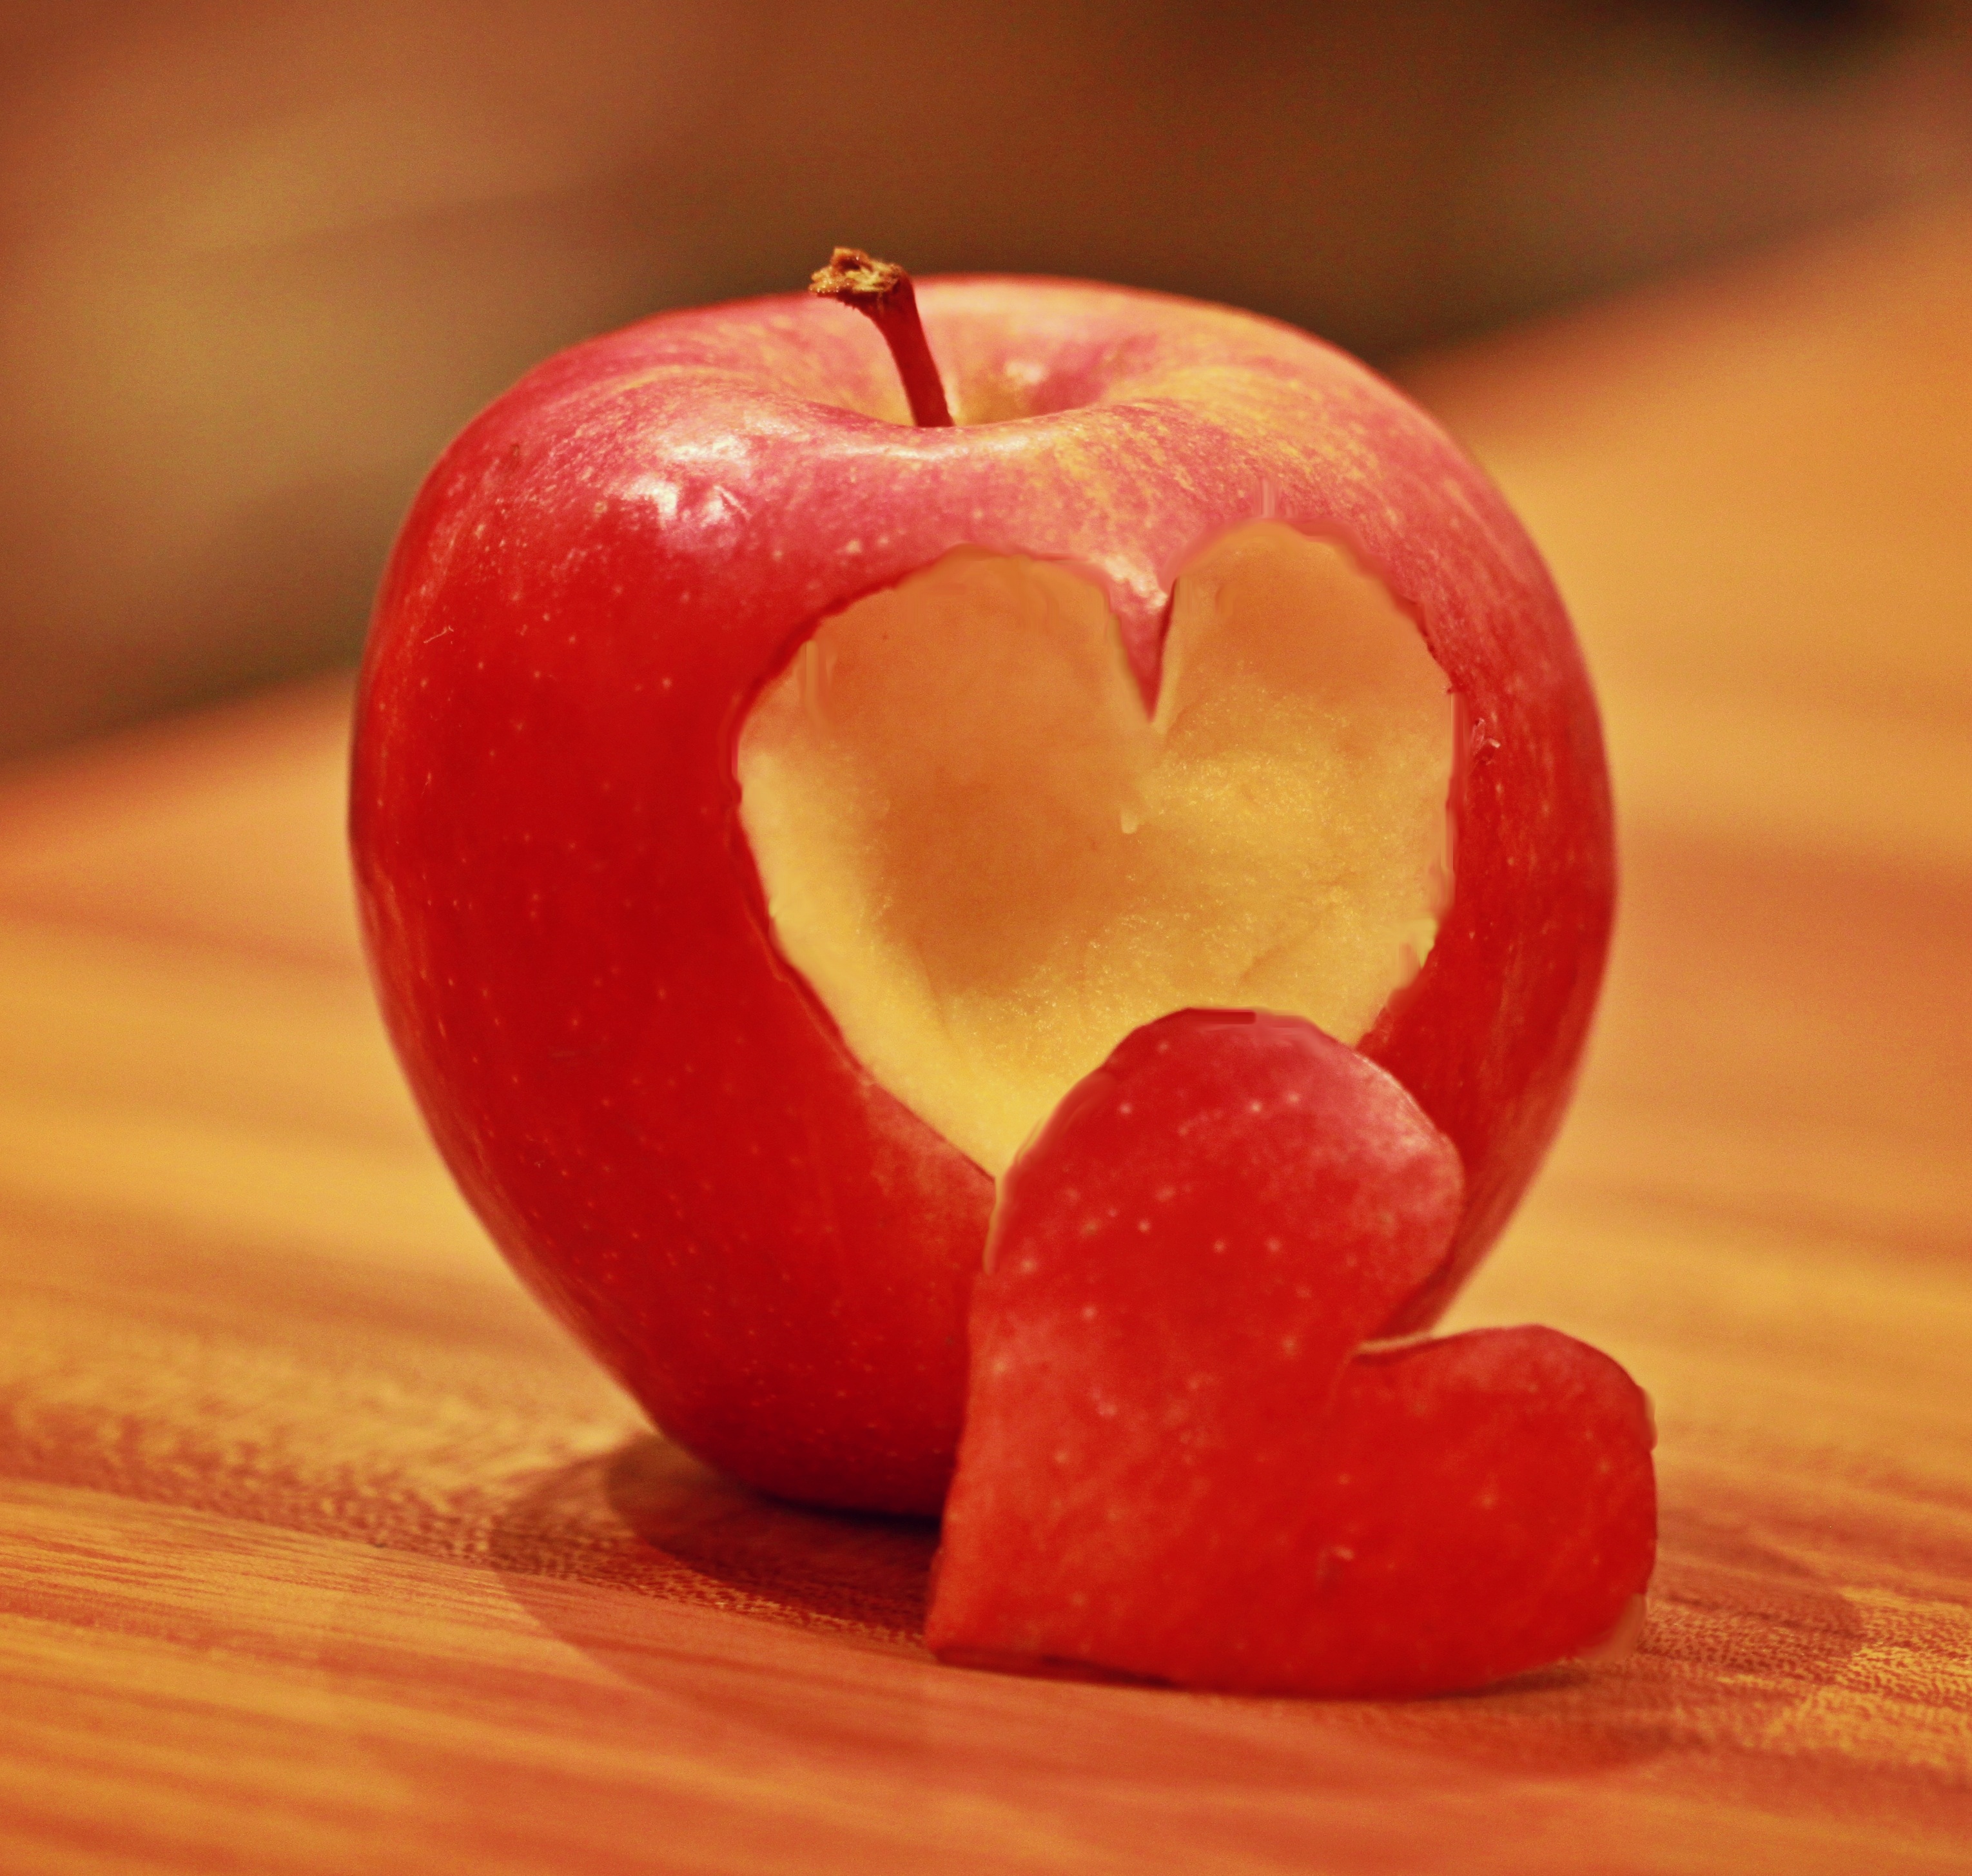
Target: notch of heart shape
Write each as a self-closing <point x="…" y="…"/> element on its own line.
<point x="991" y="863"/>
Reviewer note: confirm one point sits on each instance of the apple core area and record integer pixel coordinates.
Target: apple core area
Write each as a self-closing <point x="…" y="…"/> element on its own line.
<point x="990" y="862"/>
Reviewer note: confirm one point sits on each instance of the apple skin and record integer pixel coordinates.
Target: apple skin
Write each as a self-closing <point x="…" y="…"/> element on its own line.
<point x="651" y="1112"/>
<point x="1178" y="1464"/>
<point x="1467" y="1508"/>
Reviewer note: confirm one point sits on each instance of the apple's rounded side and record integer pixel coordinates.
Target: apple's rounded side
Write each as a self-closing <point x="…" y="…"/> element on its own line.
<point x="654" y="1117"/>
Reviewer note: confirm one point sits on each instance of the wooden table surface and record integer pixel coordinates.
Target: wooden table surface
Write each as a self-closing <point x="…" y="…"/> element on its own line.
<point x="322" y="1550"/>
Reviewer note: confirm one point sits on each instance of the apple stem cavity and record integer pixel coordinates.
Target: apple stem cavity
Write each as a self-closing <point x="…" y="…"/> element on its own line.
<point x="882" y="291"/>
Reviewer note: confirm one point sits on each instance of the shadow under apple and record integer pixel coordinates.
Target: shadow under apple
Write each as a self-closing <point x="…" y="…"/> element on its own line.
<point x="648" y="1517"/>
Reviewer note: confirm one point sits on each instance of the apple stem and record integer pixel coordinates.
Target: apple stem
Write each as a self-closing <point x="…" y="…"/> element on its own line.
<point x="882" y="290"/>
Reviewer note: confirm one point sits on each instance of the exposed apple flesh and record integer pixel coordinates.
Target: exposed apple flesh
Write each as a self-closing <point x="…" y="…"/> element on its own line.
<point x="991" y="863"/>
<point x="1173" y="1465"/>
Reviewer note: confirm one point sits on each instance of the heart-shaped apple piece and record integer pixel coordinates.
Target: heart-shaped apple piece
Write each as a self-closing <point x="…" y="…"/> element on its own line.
<point x="991" y="863"/>
<point x="1175" y="1464"/>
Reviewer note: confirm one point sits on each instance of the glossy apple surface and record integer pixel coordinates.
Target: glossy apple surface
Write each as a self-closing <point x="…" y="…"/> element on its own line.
<point x="1176" y="1463"/>
<point x="656" y="1114"/>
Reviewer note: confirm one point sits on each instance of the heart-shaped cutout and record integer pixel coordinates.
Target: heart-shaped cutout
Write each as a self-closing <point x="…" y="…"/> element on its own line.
<point x="1175" y="1465"/>
<point x="991" y="863"/>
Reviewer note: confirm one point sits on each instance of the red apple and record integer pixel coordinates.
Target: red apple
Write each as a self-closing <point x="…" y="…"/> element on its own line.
<point x="764" y="809"/>
<point x="1171" y="1465"/>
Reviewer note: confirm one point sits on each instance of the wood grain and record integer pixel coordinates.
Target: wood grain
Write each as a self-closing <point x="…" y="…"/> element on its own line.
<point x="321" y="1549"/>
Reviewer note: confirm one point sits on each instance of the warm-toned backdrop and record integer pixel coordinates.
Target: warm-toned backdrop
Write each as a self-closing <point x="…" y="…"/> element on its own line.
<point x="260" y="258"/>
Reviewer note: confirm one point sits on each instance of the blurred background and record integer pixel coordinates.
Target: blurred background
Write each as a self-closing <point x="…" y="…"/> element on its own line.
<point x="257" y="262"/>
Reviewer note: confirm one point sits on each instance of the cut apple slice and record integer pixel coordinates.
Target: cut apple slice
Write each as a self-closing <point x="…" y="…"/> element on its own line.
<point x="1466" y="1509"/>
<point x="991" y="864"/>
<point x="1172" y="1467"/>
